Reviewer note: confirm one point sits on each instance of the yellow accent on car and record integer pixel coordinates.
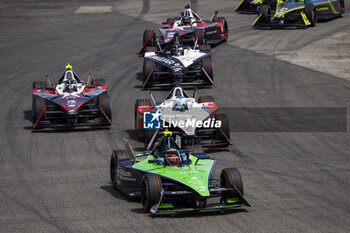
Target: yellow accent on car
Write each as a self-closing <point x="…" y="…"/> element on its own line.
<point x="306" y="21"/>
<point x="322" y="9"/>
<point x="285" y="12"/>
<point x="167" y="132"/>
<point x="68" y="67"/>
<point x="256" y="20"/>
<point x="238" y="6"/>
<point x="331" y="6"/>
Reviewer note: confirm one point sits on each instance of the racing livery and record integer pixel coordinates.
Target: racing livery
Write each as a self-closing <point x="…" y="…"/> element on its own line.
<point x="170" y="179"/>
<point x="254" y="6"/>
<point x="299" y="13"/>
<point x="70" y="102"/>
<point x="178" y="106"/>
<point x="189" y="27"/>
<point x="177" y="63"/>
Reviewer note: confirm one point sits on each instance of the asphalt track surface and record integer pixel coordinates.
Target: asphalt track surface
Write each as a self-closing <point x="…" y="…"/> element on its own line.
<point x="56" y="181"/>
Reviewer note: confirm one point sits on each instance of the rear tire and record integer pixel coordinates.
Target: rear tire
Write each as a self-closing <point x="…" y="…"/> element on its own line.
<point x="199" y="36"/>
<point x="205" y="99"/>
<point x="104" y="103"/>
<point x="195" y="148"/>
<point x="140" y="102"/>
<point x="150" y="194"/>
<point x="116" y="155"/>
<point x="98" y="82"/>
<point x="225" y="27"/>
<point x="151" y="49"/>
<point x="147" y="70"/>
<point x="208" y="67"/>
<point x="39" y="84"/>
<point x="204" y="47"/>
<point x="150" y="37"/>
<point x="311" y="14"/>
<point x="231" y="177"/>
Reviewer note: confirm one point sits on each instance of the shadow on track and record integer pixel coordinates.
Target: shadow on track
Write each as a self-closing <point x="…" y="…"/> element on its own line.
<point x="117" y="194"/>
<point x="27" y="115"/>
<point x="192" y="214"/>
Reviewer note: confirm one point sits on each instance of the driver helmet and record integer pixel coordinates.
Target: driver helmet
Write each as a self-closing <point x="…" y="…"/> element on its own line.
<point x="172" y="159"/>
<point x="178" y="52"/>
<point x="71" y="85"/>
<point x="186" y="20"/>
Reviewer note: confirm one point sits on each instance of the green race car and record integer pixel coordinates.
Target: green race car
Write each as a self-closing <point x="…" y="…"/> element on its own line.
<point x="299" y="13"/>
<point x="169" y="179"/>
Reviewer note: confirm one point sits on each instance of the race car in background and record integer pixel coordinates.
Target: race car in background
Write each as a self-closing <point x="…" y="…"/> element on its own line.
<point x="190" y="27"/>
<point x="299" y="13"/>
<point x="71" y="102"/>
<point x="177" y="63"/>
<point x="178" y="107"/>
<point x="171" y="180"/>
<point x="254" y="6"/>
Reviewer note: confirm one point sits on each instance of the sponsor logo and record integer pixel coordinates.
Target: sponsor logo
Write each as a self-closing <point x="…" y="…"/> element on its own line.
<point x="152" y="120"/>
<point x="71" y="106"/>
<point x="164" y="60"/>
<point x="124" y="175"/>
<point x="193" y="123"/>
<point x="322" y="9"/>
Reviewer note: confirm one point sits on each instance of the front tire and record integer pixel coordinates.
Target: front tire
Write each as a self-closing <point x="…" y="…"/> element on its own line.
<point x="224" y="129"/>
<point x="150" y="194"/>
<point x="310" y="12"/>
<point x="231" y="177"/>
<point x="147" y="70"/>
<point x="265" y="13"/>
<point x="150" y="37"/>
<point x="38" y="109"/>
<point x="104" y="103"/>
<point x="208" y="67"/>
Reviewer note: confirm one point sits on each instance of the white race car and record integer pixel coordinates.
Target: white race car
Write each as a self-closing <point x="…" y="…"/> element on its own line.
<point x="177" y="63"/>
<point x="197" y="122"/>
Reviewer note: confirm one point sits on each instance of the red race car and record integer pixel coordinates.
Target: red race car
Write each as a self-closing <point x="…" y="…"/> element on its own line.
<point x="191" y="29"/>
<point x="70" y="102"/>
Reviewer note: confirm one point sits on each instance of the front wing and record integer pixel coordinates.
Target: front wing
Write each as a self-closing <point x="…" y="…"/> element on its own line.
<point x="166" y="207"/>
<point x="294" y="19"/>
